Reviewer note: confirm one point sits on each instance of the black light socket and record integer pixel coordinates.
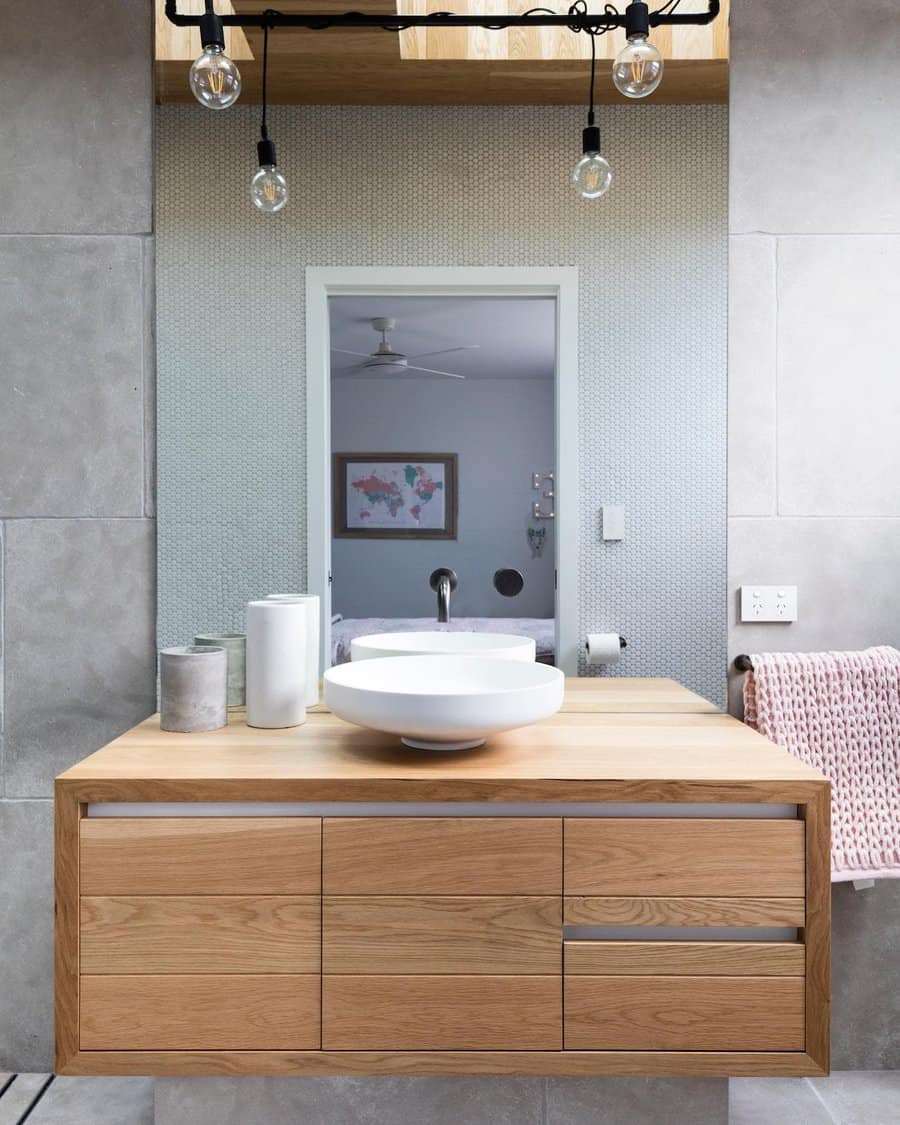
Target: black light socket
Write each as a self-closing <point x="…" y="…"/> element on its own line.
<point x="590" y="139"/>
<point x="266" y="151"/>
<point x="637" y="19"/>
<point x="211" y="31"/>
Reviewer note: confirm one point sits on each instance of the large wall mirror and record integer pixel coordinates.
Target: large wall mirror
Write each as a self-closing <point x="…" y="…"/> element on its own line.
<point x="528" y="333"/>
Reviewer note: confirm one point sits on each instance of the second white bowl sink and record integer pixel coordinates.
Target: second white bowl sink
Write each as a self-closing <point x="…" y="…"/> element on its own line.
<point x="505" y="646"/>
<point x="443" y="702"/>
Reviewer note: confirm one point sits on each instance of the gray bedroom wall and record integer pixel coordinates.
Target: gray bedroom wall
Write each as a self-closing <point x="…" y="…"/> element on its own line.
<point x="371" y="187"/>
<point x="814" y="408"/>
<point x="502" y="432"/>
<point x="77" y="573"/>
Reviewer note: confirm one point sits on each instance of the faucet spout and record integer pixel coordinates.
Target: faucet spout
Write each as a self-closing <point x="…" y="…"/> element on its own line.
<point x="443" y="581"/>
<point x="443" y="598"/>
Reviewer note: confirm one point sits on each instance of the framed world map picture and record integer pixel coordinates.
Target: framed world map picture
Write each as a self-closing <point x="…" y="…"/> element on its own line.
<point x="395" y="495"/>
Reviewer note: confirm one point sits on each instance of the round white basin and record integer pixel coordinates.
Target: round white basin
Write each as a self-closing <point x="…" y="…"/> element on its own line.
<point x="502" y="646"/>
<point x="443" y="702"/>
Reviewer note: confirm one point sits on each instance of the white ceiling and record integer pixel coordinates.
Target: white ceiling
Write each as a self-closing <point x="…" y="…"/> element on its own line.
<point x="516" y="335"/>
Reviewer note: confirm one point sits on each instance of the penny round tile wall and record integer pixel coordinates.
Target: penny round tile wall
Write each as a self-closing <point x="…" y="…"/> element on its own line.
<point x="486" y="186"/>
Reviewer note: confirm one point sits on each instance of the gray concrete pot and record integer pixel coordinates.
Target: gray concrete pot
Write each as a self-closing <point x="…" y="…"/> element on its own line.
<point x="192" y="688"/>
<point x="235" y="645"/>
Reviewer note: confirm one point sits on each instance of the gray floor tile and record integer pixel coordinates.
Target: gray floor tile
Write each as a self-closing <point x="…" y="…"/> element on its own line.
<point x="96" y="1101"/>
<point x="775" y="1101"/>
<point x="870" y="1097"/>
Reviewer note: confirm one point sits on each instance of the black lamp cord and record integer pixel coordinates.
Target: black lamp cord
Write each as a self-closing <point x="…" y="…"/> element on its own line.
<point x="263" y="131"/>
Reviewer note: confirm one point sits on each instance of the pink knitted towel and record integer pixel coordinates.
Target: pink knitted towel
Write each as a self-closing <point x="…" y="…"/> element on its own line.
<point x="840" y="712"/>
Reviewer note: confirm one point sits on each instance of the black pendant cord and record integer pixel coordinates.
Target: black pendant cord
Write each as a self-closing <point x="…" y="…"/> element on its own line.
<point x="265" y="148"/>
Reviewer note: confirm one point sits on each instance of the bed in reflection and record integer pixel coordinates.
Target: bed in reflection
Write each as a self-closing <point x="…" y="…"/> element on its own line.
<point x="541" y="629"/>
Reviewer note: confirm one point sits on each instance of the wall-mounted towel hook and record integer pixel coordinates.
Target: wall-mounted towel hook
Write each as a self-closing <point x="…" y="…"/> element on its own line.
<point x="743" y="663"/>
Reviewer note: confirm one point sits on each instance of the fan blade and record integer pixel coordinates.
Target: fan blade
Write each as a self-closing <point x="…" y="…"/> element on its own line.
<point x="361" y="355"/>
<point x="446" y="351"/>
<point x="431" y="371"/>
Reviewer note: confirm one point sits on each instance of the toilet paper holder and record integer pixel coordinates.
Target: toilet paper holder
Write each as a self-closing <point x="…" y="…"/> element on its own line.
<point x="623" y="644"/>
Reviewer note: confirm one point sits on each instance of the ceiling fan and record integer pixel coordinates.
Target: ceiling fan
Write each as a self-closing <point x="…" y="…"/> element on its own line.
<point x="387" y="361"/>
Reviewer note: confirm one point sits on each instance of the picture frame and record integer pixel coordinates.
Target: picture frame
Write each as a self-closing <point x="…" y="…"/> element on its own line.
<point x="395" y="495"/>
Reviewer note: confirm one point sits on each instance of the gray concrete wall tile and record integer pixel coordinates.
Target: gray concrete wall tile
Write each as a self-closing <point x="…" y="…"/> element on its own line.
<point x="751" y="375"/>
<point x="846" y="571"/>
<point x="80" y="661"/>
<point x="26" y="934"/>
<point x="71" y="354"/>
<point x="838" y="391"/>
<point x="96" y="1101"/>
<point x="865" y="958"/>
<point x="75" y="137"/>
<point x="637" y="1101"/>
<point x="814" y="89"/>
<point x="350" y="1101"/>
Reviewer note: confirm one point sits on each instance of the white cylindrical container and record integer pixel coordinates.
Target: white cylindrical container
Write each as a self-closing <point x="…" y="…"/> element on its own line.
<point x="313" y="617"/>
<point x="276" y="664"/>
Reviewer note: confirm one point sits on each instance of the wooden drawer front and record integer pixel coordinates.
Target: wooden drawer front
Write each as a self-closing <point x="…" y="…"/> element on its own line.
<point x="200" y="934"/>
<point x="201" y="855"/>
<point x="455" y="1013"/>
<point x="474" y="934"/>
<point x="681" y="1013"/>
<point x="442" y="855"/>
<point x="684" y="857"/>
<point x="183" y="1013"/>
<point x="646" y="910"/>
<point x="685" y="958"/>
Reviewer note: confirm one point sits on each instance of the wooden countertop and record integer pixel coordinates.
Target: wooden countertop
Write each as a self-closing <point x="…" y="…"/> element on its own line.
<point x="613" y="739"/>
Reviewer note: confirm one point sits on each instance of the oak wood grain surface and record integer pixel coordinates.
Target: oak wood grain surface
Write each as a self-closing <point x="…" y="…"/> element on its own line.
<point x="685" y="958"/>
<point x="265" y="1012"/>
<point x="201" y="934"/>
<point x="215" y="855"/>
<point x="683" y="910"/>
<point x="671" y="1013"/>
<point x="442" y="855"/>
<point x="672" y="856"/>
<point x="416" y="1013"/>
<point x="448" y="934"/>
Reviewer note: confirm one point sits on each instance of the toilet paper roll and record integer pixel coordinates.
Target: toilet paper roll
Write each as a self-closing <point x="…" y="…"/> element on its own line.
<point x="276" y="664"/>
<point x="312" y="640"/>
<point x="603" y="648"/>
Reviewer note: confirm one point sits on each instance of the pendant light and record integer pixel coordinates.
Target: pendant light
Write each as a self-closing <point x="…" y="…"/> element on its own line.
<point x="638" y="67"/>
<point x="592" y="174"/>
<point x="214" y="79"/>
<point x="268" y="188"/>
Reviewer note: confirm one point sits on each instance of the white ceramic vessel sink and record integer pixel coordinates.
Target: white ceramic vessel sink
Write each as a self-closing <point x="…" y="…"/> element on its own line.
<point x="443" y="702"/>
<point x="505" y="646"/>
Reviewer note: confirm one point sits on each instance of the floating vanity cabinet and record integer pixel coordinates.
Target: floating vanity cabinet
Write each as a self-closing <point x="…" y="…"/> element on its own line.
<point x="638" y="886"/>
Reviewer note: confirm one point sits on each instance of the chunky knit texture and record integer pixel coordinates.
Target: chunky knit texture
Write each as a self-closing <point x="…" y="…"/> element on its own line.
<point x="840" y="712"/>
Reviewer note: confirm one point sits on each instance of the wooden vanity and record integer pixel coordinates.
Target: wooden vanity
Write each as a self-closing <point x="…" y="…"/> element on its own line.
<point x="320" y="900"/>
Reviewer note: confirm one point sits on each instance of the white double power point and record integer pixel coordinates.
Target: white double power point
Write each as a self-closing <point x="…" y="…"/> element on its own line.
<point x="769" y="603"/>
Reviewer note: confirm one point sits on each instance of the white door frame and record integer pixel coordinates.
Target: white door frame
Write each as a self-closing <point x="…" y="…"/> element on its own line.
<point x="560" y="283"/>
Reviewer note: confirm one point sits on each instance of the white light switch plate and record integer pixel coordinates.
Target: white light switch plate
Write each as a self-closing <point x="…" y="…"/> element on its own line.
<point x="769" y="603"/>
<point x="612" y="517"/>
